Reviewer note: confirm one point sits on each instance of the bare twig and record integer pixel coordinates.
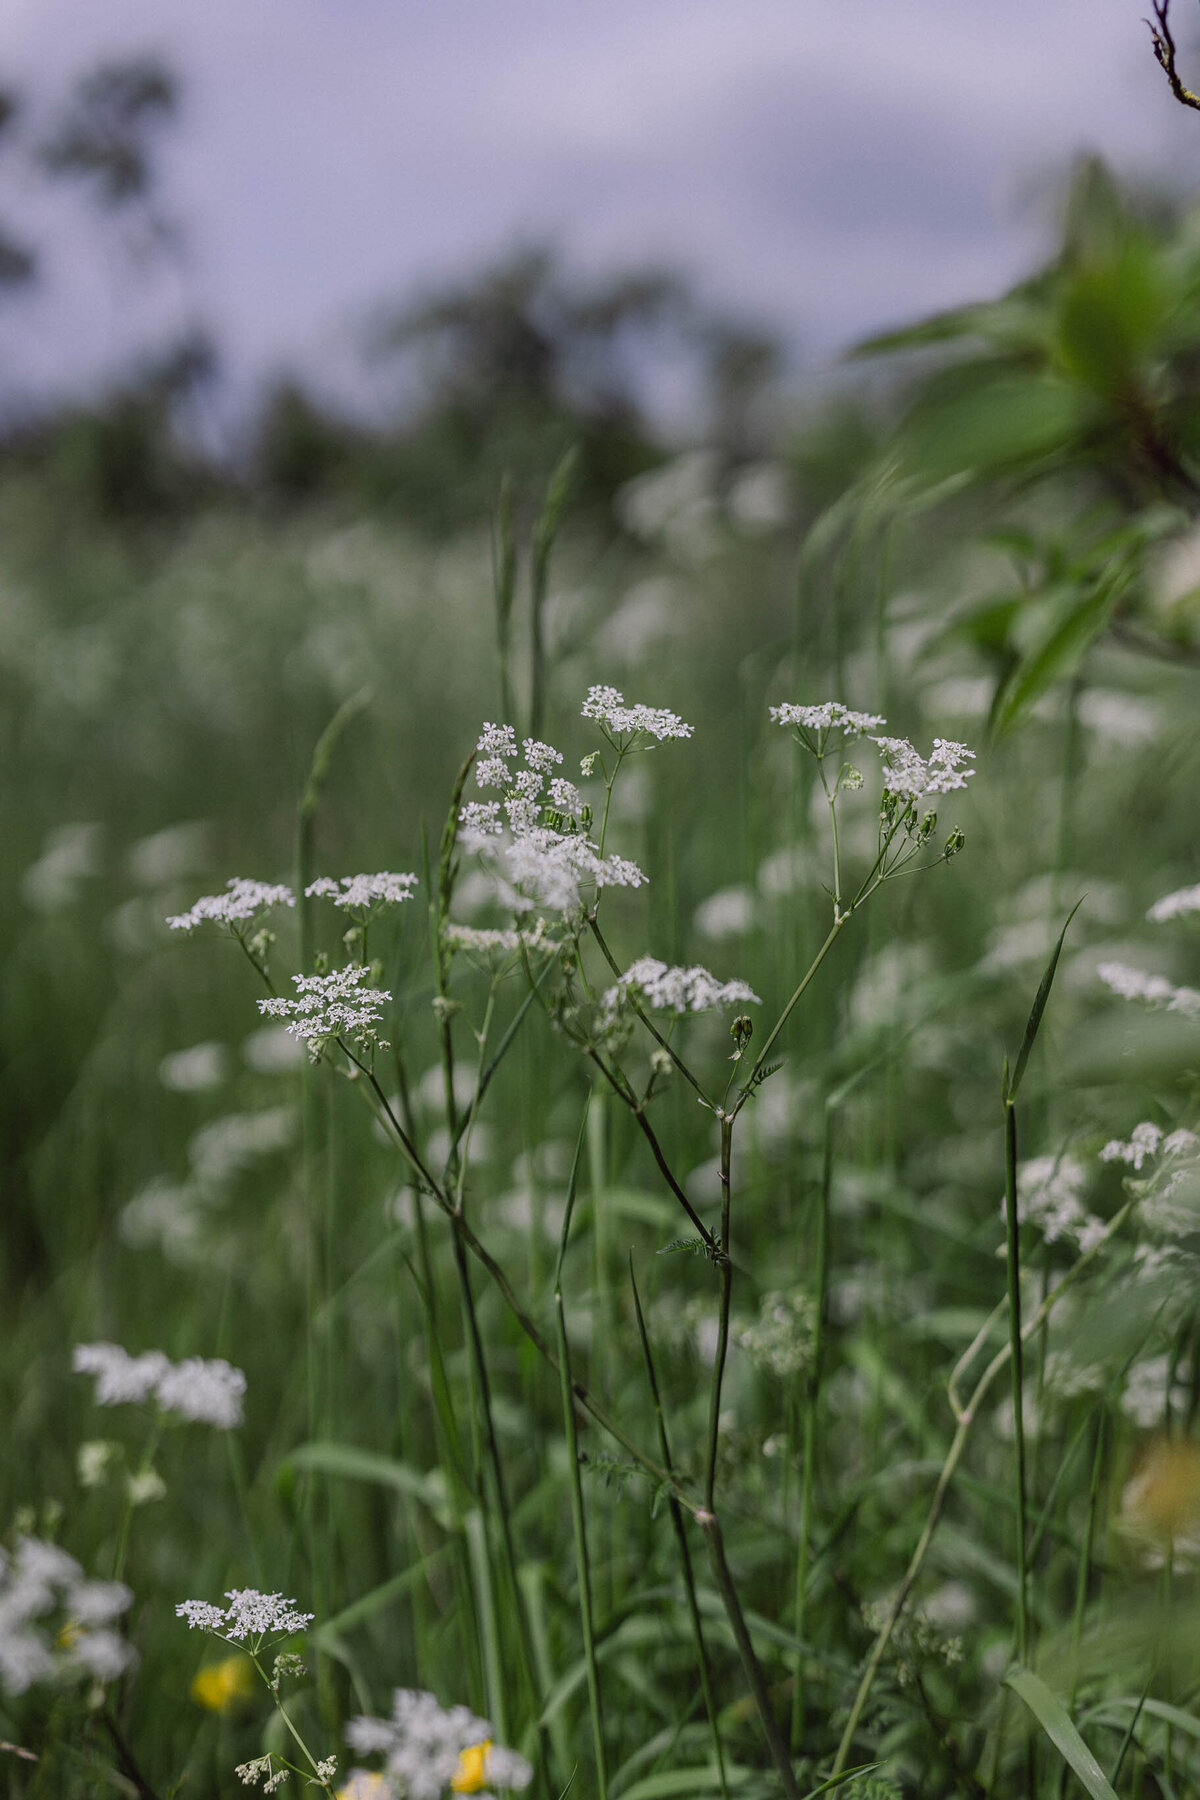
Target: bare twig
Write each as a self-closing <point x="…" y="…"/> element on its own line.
<point x="1164" y="50"/>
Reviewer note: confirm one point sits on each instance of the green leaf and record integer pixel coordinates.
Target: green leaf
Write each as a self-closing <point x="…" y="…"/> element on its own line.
<point x="1011" y="1084"/>
<point x="425" y="1485"/>
<point x="1058" y="655"/>
<point x="705" y="1779"/>
<point x="989" y="425"/>
<point x="1055" y="1721"/>
<point x="836" y="1781"/>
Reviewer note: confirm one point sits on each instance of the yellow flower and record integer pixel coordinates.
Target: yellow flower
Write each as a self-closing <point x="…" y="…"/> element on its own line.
<point x="1161" y="1501"/>
<point x="221" y="1687"/>
<point x="68" y="1635"/>
<point x="471" y="1773"/>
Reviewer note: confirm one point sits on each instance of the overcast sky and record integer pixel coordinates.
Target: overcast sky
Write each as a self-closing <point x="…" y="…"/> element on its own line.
<point x="827" y="168"/>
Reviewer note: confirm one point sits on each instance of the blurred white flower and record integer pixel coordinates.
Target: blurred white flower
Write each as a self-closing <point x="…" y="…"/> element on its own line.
<point x="71" y="856"/>
<point x="210" y="1392"/>
<point x="727" y="913"/>
<point x="192" y="1071"/>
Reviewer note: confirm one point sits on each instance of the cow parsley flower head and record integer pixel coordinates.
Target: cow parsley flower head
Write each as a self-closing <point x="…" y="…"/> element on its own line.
<point x="428" y="1748"/>
<point x="1049" y="1196"/>
<point x="363" y="894"/>
<point x="1151" y="990"/>
<point x="55" y="1623"/>
<point x="677" y="990"/>
<point x="208" y="1392"/>
<point x="242" y="901"/>
<point x="250" y="1615"/>
<point x="621" y="722"/>
<point x="1175" y="906"/>
<point x="909" y="777"/>
<point x="814" y="722"/>
<point x="262" y="1768"/>
<point x="328" y="1007"/>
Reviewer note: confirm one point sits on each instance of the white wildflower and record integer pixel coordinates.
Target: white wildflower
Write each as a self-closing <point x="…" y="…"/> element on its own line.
<point x="1176" y="905"/>
<point x="364" y="893"/>
<point x="250" y="1614"/>
<point x="193" y="1071"/>
<point x="259" y="1768"/>
<point x="54" y="1622"/>
<point x="423" y="1745"/>
<point x="908" y="776"/>
<point x="210" y="1392"/>
<point x="829" y="715"/>
<point x="121" y="1379"/>
<point x="608" y="708"/>
<point x="94" y="1461"/>
<point x="144" y="1487"/>
<point x="727" y="913"/>
<point x="272" y="1051"/>
<point x="1049" y="1190"/>
<point x="1146" y="1390"/>
<point x="1152" y="990"/>
<point x="678" y="990"/>
<point x="780" y="1340"/>
<point x="242" y="900"/>
<point x="333" y="1006"/>
<point x="1143" y="1143"/>
<point x="235" y="1141"/>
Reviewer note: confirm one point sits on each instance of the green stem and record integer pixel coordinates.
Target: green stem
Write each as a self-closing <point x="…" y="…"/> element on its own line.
<point x="786" y="1014"/>
<point x="582" y="1571"/>
<point x="685" y="1555"/>
<point x="1016" y="1368"/>
<point x="966" y="1418"/>
<point x="725" y="1275"/>
<point x="750" y="1663"/>
<point x="811" y="1404"/>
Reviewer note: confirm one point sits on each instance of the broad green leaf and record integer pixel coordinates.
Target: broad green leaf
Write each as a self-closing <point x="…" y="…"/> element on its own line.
<point x="1055" y="1721"/>
<point x="379" y="1597"/>
<point x="704" y="1779"/>
<point x="991" y="425"/>
<point x="1058" y="655"/>
<point x="425" y="1485"/>
<point x="837" y="1781"/>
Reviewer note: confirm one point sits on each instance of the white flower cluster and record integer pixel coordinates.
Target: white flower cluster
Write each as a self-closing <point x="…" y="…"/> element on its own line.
<point x="1147" y="1140"/>
<point x="1049" y="1190"/>
<point x="259" y="1768"/>
<point x="544" y="866"/>
<point x="243" y="899"/>
<point x="327" y="1007"/>
<point x="481" y="941"/>
<point x="676" y="990"/>
<point x="1176" y="905"/>
<point x="249" y="1614"/>
<point x="780" y="1340"/>
<point x="830" y="715"/>
<point x="908" y="776"/>
<point x="363" y="893"/>
<point x="209" y="1392"/>
<point x="1170" y="1202"/>
<point x="54" y="1622"/>
<point x="427" y="1746"/>
<point x="607" y="707"/>
<point x="1149" y="1385"/>
<point x="1152" y="990"/>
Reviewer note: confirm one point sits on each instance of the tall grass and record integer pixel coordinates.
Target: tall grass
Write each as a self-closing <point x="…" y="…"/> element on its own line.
<point x="763" y="1514"/>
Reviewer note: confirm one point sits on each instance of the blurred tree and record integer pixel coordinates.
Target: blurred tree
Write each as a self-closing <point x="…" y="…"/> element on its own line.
<point x="1070" y="407"/>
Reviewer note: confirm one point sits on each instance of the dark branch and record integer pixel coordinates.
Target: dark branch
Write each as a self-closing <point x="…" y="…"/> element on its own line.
<point x="1164" y="50"/>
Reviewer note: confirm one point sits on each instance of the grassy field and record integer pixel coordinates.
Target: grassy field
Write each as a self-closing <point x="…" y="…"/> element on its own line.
<point x="849" y="1544"/>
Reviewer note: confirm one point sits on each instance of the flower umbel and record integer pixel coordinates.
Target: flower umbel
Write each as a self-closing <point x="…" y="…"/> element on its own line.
<point x="429" y="1748"/>
<point x="242" y="901"/>
<point x="330" y="1007"/>
<point x="208" y="1392"/>
<point x="250" y="1615"/>
<point x="677" y="990"/>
